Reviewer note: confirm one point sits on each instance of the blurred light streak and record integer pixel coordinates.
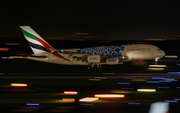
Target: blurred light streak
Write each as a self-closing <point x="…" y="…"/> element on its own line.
<point x="109" y="73"/>
<point x="152" y="81"/>
<point x="170" y="100"/>
<point x="76" y="35"/>
<point x="168" y="80"/>
<point x="128" y="77"/>
<point x="157" y="78"/>
<point x="177" y="87"/>
<point x="139" y="80"/>
<point x="123" y="83"/>
<point x="109" y="95"/>
<point x="126" y="88"/>
<point x="140" y="60"/>
<point x="176" y="99"/>
<point x="95" y="79"/>
<point x="173" y="72"/>
<point x="177" y="64"/>
<point x="4" y="49"/>
<point x="156" y="39"/>
<point x="68" y="100"/>
<point x="157" y="65"/>
<point x="120" y="91"/>
<point x="135" y="103"/>
<point x="147" y="90"/>
<point x="85" y="104"/>
<point x="100" y="77"/>
<point x="81" y="33"/>
<point x="171" y="56"/>
<point x="70" y="92"/>
<point x="11" y="43"/>
<point x="164" y="87"/>
<point x="18" y="84"/>
<point x="156" y="69"/>
<point x="112" y="77"/>
<point x="88" y="99"/>
<point x="32" y="104"/>
<point x="143" y="78"/>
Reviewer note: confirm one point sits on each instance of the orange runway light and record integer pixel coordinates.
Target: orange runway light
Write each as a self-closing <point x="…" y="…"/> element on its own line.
<point x="109" y="95"/>
<point x="88" y="99"/>
<point x="18" y="84"/>
<point x="70" y="92"/>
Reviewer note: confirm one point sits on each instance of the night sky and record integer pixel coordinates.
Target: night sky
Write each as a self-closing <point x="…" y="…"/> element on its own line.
<point x="113" y="20"/>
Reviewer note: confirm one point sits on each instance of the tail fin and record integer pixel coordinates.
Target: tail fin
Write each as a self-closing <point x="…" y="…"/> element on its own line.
<point x="159" y="107"/>
<point x="36" y="42"/>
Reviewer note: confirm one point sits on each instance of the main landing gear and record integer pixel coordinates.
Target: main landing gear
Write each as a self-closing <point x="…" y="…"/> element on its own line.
<point x="94" y="66"/>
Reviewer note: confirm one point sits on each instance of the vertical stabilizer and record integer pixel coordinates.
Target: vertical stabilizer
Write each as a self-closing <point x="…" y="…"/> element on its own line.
<point x="36" y="42"/>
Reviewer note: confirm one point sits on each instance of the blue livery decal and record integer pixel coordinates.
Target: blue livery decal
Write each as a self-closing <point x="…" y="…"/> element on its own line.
<point x="107" y="50"/>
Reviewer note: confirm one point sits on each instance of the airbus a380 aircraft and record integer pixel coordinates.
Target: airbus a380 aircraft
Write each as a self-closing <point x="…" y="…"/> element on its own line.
<point x="92" y="56"/>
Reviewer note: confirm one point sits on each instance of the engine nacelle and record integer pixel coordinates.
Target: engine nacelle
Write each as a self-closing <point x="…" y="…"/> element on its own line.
<point x="94" y="58"/>
<point x="112" y="60"/>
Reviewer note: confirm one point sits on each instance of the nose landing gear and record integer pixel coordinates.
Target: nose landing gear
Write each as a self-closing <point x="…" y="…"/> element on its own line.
<point x="156" y="60"/>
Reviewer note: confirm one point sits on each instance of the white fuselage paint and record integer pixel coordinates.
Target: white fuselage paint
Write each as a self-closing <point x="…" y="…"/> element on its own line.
<point x="132" y="51"/>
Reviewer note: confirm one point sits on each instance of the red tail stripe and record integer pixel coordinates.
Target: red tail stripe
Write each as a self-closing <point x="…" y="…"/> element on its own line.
<point x="49" y="48"/>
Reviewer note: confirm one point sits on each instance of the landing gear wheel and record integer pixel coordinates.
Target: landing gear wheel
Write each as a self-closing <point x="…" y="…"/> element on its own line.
<point x="156" y="60"/>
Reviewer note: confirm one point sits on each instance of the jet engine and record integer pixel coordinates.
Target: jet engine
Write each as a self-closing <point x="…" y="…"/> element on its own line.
<point x="112" y="60"/>
<point x="93" y="58"/>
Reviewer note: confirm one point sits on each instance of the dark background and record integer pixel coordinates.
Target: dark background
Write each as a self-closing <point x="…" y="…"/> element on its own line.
<point x="107" y="20"/>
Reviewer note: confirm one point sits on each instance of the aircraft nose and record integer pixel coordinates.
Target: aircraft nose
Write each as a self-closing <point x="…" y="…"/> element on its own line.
<point x="161" y="53"/>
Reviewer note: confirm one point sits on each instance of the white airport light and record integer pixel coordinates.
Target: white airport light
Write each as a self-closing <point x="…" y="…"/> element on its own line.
<point x="18" y="84"/>
<point x="147" y="90"/>
<point x="171" y="56"/>
<point x="88" y="99"/>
